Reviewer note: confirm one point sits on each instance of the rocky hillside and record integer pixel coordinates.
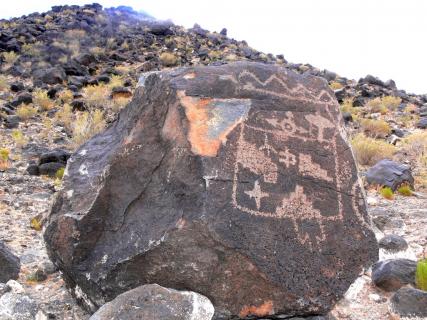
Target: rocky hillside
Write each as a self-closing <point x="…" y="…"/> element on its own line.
<point x="66" y="74"/>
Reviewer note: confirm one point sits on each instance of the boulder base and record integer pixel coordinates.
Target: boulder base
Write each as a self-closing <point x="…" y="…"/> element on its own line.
<point x="232" y="181"/>
<point x="154" y="302"/>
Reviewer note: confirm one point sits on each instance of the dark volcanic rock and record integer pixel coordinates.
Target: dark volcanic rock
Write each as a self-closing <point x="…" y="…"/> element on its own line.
<point x="152" y="301"/>
<point x="390" y="174"/>
<point x="391" y="275"/>
<point x="393" y="242"/>
<point x="52" y="75"/>
<point x="410" y="302"/>
<point x="233" y="181"/>
<point x="9" y="264"/>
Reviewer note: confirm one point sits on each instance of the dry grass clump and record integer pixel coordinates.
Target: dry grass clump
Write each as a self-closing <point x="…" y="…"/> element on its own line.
<point x="390" y="102"/>
<point x="375" y="128"/>
<point x="116" y="81"/>
<point x="19" y="138"/>
<point x="32" y="49"/>
<point x="96" y="96"/>
<point x="75" y="34"/>
<point x="119" y="103"/>
<point x="347" y="106"/>
<point x="86" y="125"/>
<point x="66" y="96"/>
<point x="10" y="57"/>
<point x="416" y="143"/>
<point x="4" y="158"/>
<point x="384" y="104"/>
<point x="415" y="147"/>
<point x="4" y="85"/>
<point x="42" y="100"/>
<point x="168" y="59"/>
<point x="64" y="117"/>
<point x="368" y="151"/>
<point x="334" y="85"/>
<point x="26" y="112"/>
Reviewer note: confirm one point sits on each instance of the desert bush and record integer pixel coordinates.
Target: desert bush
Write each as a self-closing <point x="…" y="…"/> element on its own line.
<point x="97" y="51"/>
<point x="411" y="108"/>
<point x="64" y="117"/>
<point x="66" y="96"/>
<point x="26" y="112"/>
<point x="391" y="102"/>
<point x="4" y="85"/>
<point x="42" y="100"/>
<point x="19" y="138"/>
<point x="115" y="81"/>
<point x="118" y="103"/>
<point x="382" y="105"/>
<point x="168" y="59"/>
<point x="75" y="34"/>
<point x="334" y="85"/>
<point x="4" y="158"/>
<point x="386" y="192"/>
<point x="375" y="128"/>
<point x="31" y="49"/>
<point x="60" y="173"/>
<point x="86" y="125"/>
<point x="368" y="150"/>
<point x="421" y="274"/>
<point x="96" y="96"/>
<point x="376" y="105"/>
<point x="10" y="57"/>
<point x="416" y="143"/>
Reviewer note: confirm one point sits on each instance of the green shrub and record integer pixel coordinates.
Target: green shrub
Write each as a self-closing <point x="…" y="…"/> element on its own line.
<point x="405" y="190"/>
<point x="421" y="275"/>
<point x="60" y="173"/>
<point x="386" y="192"/>
<point x="26" y="112"/>
<point x="10" y="57"/>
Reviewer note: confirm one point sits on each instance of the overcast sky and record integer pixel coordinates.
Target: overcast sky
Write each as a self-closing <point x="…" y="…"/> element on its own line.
<point x="386" y="38"/>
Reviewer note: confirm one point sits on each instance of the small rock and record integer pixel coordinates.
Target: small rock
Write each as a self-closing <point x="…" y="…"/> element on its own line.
<point x="33" y="169"/>
<point x="4" y="288"/>
<point x="15" y="286"/>
<point x="48" y="267"/>
<point x="390" y="275"/>
<point x="11" y="122"/>
<point x="50" y="169"/>
<point x="9" y="264"/>
<point x="390" y="174"/>
<point x="49" y="76"/>
<point x="155" y="302"/>
<point x="17" y="306"/>
<point x="22" y="98"/>
<point x="393" y="242"/>
<point x="422" y="124"/>
<point x="410" y="302"/>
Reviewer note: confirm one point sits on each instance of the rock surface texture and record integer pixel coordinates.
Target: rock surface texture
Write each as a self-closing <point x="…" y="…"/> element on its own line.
<point x="232" y="181"/>
<point x="9" y="264"/>
<point x="155" y="302"/>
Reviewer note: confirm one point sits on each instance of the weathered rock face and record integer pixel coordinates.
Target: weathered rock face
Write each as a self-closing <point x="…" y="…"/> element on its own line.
<point x="9" y="264"/>
<point x="233" y="181"/>
<point x="152" y="301"/>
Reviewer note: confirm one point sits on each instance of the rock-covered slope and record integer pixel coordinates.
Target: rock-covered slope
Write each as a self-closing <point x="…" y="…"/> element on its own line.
<point x="65" y="75"/>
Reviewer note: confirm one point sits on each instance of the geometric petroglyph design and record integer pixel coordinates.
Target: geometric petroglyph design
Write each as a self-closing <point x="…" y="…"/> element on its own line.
<point x="263" y="195"/>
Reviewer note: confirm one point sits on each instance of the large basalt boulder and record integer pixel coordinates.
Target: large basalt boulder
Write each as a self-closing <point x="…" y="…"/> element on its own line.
<point x="232" y="181"/>
<point x="390" y="174"/>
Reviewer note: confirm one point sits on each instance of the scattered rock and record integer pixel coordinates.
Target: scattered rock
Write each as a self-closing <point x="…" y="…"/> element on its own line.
<point x="410" y="302"/>
<point x="390" y="275"/>
<point x="9" y="264"/>
<point x="52" y="75"/>
<point x="155" y="302"/>
<point x="15" y="306"/>
<point x="393" y="242"/>
<point x="206" y="205"/>
<point x="422" y="123"/>
<point x="22" y="98"/>
<point x="4" y="288"/>
<point x="390" y="174"/>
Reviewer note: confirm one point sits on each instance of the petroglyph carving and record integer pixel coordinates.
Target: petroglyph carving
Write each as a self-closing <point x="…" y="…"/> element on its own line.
<point x="310" y="168"/>
<point x="257" y="194"/>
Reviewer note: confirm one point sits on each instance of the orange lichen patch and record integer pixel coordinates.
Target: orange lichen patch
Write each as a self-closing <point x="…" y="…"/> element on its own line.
<point x="191" y="75"/>
<point x="211" y="120"/>
<point x="172" y="129"/>
<point x="263" y="310"/>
